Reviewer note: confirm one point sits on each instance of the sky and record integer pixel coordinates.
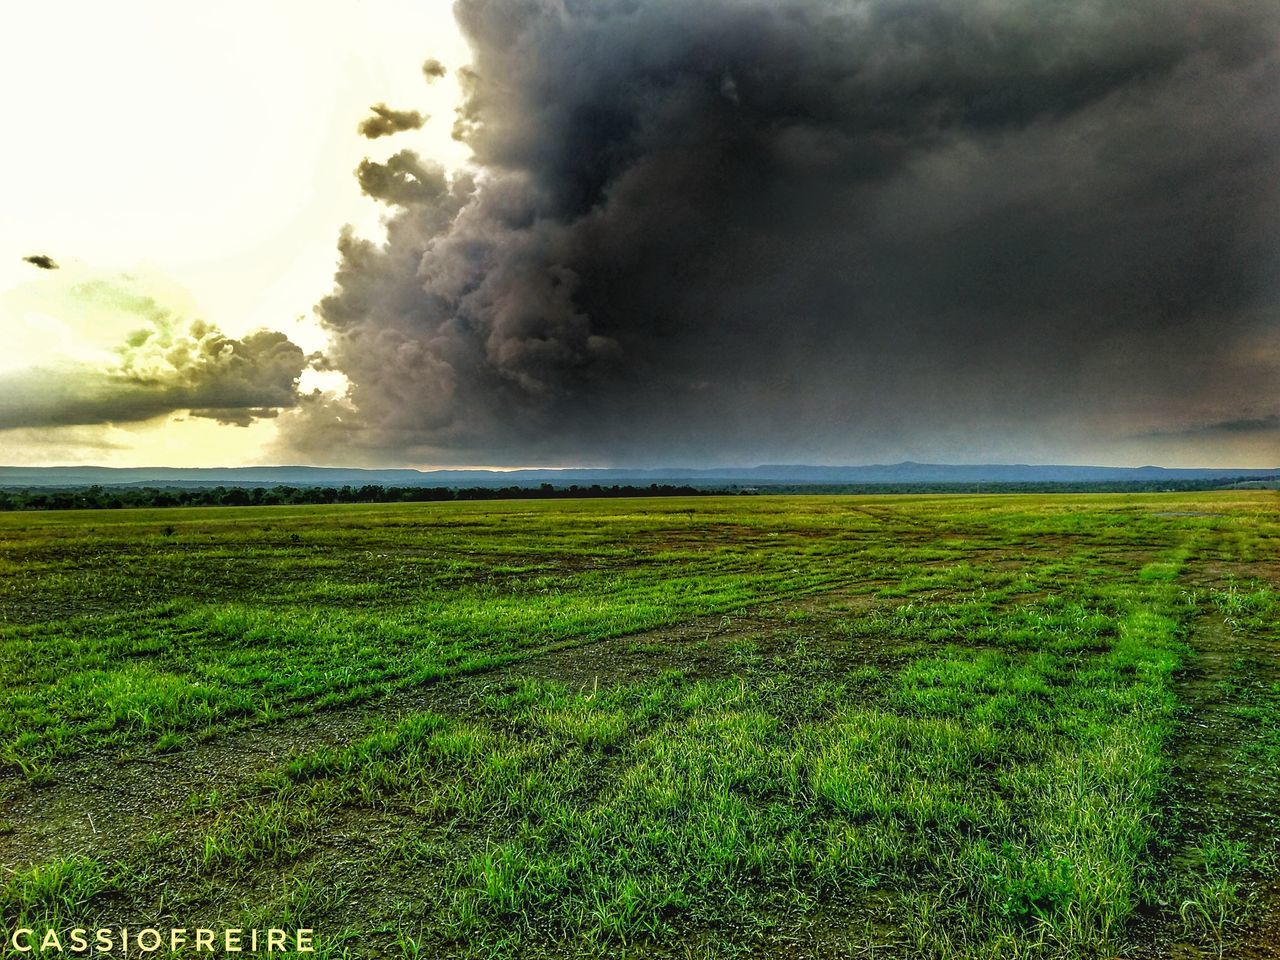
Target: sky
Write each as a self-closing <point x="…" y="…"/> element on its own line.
<point x="641" y="232"/>
<point x="200" y="157"/>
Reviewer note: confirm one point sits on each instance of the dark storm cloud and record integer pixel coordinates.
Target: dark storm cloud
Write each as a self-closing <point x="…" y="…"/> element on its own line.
<point x="746" y="230"/>
<point x="43" y="261"/>
<point x="167" y="365"/>
<point x="433" y="70"/>
<point x="386" y="121"/>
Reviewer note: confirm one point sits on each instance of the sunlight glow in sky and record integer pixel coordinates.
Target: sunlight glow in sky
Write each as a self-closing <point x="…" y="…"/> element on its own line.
<point x="207" y="152"/>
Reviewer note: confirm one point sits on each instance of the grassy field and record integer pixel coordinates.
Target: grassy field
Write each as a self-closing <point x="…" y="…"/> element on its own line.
<point x="947" y="726"/>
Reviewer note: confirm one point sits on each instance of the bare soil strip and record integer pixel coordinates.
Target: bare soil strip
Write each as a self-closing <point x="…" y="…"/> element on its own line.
<point x="1210" y="789"/>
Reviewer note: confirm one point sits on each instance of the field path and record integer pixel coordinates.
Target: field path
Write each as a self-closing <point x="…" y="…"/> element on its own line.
<point x="1212" y="787"/>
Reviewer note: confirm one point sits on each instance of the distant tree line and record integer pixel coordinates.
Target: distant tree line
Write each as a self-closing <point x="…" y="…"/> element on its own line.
<point x="113" y="498"/>
<point x="108" y="497"/>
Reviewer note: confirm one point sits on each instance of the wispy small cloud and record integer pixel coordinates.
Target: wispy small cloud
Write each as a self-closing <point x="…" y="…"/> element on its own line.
<point x="1266" y="423"/>
<point x="41" y="260"/>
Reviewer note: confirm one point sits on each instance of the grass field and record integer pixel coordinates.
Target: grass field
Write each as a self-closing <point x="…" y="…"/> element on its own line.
<point x="948" y="726"/>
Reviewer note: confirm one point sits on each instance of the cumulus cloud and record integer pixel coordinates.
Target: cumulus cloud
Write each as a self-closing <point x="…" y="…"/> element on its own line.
<point x="741" y="229"/>
<point x="433" y="70"/>
<point x="405" y="179"/>
<point x="166" y="365"/>
<point x="386" y="121"/>
<point x="41" y="260"/>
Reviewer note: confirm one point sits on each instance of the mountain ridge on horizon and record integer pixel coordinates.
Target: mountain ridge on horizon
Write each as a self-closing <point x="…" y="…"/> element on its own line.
<point x="906" y="471"/>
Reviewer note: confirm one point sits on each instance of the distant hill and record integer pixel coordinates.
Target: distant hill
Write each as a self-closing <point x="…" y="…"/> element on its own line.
<point x="906" y="472"/>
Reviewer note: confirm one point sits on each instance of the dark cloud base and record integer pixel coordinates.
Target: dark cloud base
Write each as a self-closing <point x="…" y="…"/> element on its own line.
<point x="749" y="230"/>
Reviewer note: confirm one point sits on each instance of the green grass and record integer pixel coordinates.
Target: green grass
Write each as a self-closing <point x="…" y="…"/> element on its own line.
<point x="927" y="726"/>
<point x="340" y="618"/>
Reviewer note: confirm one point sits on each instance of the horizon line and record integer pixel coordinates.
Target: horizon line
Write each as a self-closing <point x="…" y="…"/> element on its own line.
<point x="618" y="469"/>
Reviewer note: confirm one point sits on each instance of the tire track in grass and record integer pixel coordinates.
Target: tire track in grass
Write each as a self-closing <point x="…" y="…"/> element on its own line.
<point x="100" y="802"/>
<point x="1220" y="897"/>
